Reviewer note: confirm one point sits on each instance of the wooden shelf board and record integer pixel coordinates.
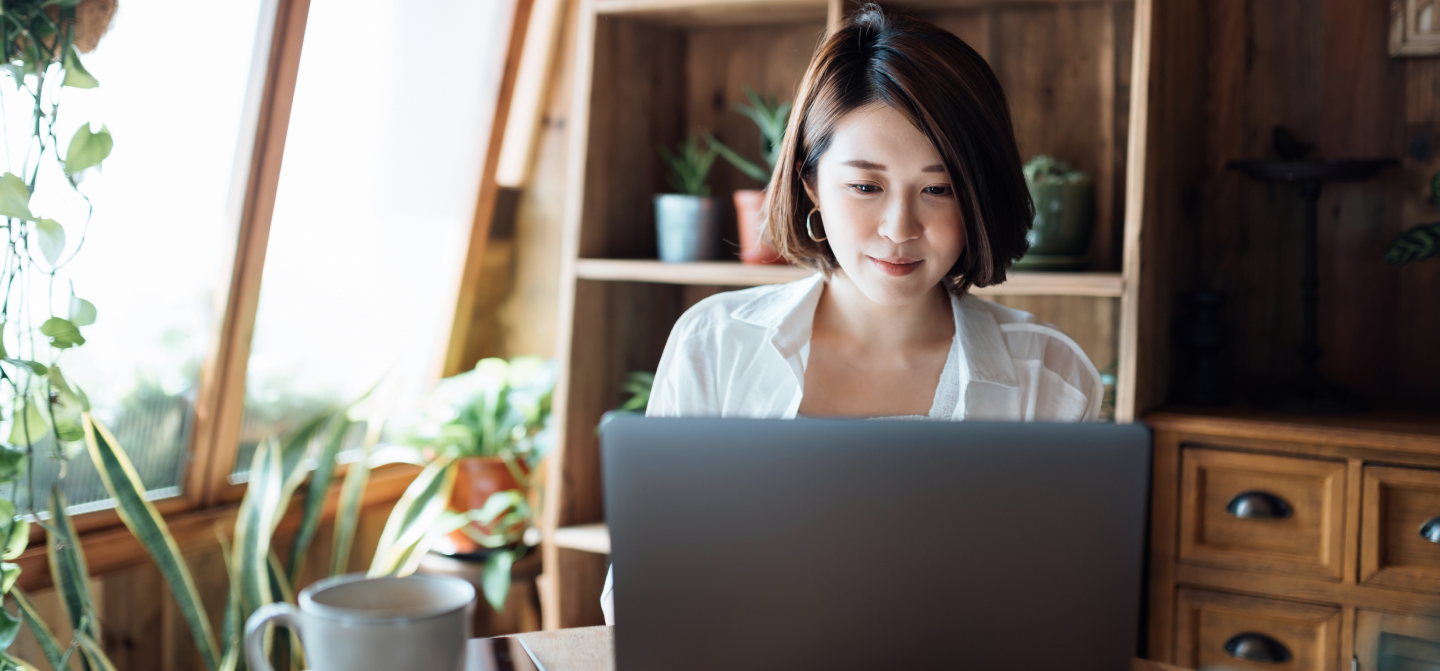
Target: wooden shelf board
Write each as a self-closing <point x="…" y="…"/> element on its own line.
<point x="704" y="13"/>
<point x="735" y="274"/>
<point x="586" y="537"/>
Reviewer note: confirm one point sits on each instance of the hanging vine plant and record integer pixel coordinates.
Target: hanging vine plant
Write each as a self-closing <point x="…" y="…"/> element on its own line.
<point x="41" y="42"/>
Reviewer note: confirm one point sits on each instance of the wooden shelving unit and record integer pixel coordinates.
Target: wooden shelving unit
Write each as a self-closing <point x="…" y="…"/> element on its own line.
<point x="735" y="274"/>
<point x="648" y="71"/>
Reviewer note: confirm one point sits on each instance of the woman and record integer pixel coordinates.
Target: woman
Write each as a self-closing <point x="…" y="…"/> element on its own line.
<point x="899" y="181"/>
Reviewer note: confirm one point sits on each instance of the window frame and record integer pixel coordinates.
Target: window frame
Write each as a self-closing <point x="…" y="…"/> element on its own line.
<point x="208" y="496"/>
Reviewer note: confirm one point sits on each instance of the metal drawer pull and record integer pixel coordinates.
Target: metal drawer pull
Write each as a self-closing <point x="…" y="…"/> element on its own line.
<point x="1253" y="647"/>
<point x="1430" y="530"/>
<point x="1266" y="506"/>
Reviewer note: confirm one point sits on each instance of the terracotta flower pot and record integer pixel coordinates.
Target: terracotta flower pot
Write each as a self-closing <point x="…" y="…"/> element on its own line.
<point x="748" y="206"/>
<point x="476" y="479"/>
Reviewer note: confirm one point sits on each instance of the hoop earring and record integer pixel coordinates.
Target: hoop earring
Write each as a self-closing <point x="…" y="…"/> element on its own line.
<point x="810" y="231"/>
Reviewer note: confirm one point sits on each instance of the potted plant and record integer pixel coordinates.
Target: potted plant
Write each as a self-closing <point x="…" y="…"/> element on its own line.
<point x="1064" y="215"/>
<point x="687" y="223"/>
<point x="492" y="423"/>
<point x="1421" y="242"/>
<point x="771" y="117"/>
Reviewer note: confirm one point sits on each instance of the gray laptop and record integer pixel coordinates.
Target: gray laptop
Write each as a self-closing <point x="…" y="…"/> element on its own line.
<point x="820" y="544"/>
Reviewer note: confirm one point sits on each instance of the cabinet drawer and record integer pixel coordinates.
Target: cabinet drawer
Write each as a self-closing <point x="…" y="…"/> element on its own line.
<point x="1215" y="631"/>
<point x="1396" y="505"/>
<point x="1262" y="513"/>
<point x="1391" y="642"/>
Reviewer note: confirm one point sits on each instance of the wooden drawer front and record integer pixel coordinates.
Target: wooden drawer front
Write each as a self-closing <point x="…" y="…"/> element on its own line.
<point x="1396" y="503"/>
<point x="1217" y="529"/>
<point x="1391" y="642"/>
<point x="1298" y="637"/>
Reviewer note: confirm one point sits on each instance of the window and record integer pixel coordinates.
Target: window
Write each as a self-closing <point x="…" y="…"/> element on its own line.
<point x="374" y="207"/>
<point x="158" y="250"/>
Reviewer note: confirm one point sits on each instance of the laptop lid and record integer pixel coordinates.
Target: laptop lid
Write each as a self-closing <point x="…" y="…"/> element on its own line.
<point x="855" y="544"/>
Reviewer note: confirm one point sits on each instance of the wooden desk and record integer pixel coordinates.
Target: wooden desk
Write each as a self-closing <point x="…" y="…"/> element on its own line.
<point x="593" y="649"/>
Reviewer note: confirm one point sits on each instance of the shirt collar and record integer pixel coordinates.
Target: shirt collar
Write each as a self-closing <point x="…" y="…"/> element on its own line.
<point x="789" y="310"/>
<point x="984" y="353"/>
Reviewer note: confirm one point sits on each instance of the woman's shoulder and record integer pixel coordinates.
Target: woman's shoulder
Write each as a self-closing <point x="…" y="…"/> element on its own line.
<point x="1028" y="339"/>
<point x="742" y="311"/>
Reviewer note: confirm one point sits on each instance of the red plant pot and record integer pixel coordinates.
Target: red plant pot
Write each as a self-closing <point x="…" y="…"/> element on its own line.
<point x="749" y="203"/>
<point x="476" y="479"/>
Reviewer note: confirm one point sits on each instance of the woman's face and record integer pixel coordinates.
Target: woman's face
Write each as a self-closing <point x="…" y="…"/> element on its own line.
<point x="887" y="205"/>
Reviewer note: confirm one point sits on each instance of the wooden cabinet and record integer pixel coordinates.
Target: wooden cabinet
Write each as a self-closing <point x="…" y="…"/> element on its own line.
<point x="1393" y="642"/>
<point x="1262" y="512"/>
<point x="1304" y="541"/>
<point x="1400" y="521"/>
<point x="1223" y="631"/>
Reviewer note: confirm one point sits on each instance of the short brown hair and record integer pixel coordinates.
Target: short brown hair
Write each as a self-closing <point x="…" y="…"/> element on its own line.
<point x="950" y="94"/>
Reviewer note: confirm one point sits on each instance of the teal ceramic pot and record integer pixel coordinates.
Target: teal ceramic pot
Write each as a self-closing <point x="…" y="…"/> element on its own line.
<point x="687" y="228"/>
<point x="1064" y="220"/>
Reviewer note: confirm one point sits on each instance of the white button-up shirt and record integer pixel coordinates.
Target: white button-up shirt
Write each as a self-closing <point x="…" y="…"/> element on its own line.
<point x="743" y="354"/>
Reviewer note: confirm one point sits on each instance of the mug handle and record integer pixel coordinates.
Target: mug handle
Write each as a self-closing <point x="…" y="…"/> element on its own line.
<point x="255" y="631"/>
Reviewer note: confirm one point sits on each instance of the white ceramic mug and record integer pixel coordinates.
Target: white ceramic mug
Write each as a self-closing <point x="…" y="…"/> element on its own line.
<point x="354" y="623"/>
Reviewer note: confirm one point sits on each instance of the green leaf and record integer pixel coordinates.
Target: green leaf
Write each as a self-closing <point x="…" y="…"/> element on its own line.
<point x="82" y="312"/>
<point x="347" y="514"/>
<point x="413" y="515"/>
<point x="76" y="76"/>
<point x="9" y="623"/>
<point x="1415" y="245"/>
<point x="62" y="333"/>
<point x="495" y="578"/>
<point x="28" y="425"/>
<point x="18" y="539"/>
<point x="52" y="239"/>
<point x="125" y="487"/>
<point x="95" y="653"/>
<point x="254" y="526"/>
<point x="52" y="650"/>
<point x="88" y="149"/>
<point x="14" y="197"/>
<point x="8" y="574"/>
<point x="232" y="625"/>
<point x="749" y="169"/>
<point x="320" y="480"/>
<point x="34" y="366"/>
<point x="11" y="461"/>
<point x="3" y="353"/>
<point x="68" y="568"/>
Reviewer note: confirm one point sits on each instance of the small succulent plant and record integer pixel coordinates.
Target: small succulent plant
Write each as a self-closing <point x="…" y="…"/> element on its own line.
<point x="689" y="166"/>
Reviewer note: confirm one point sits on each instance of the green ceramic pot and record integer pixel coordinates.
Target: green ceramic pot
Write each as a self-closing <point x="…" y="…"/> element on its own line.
<point x="1064" y="220"/>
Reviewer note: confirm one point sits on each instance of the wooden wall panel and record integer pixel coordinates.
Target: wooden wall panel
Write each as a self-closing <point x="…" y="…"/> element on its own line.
<point x="529" y="311"/>
<point x="1320" y="69"/>
<point x="719" y="63"/>
<point x="635" y="97"/>
<point x="1065" y="69"/>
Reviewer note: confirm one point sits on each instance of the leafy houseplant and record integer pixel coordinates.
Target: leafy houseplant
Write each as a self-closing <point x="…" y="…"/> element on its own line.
<point x="40" y="46"/>
<point x="687" y="224"/>
<point x="257" y="575"/>
<point x="1421" y="242"/>
<point x="771" y="117"/>
<point x="1064" y="215"/>
<point x="485" y="432"/>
